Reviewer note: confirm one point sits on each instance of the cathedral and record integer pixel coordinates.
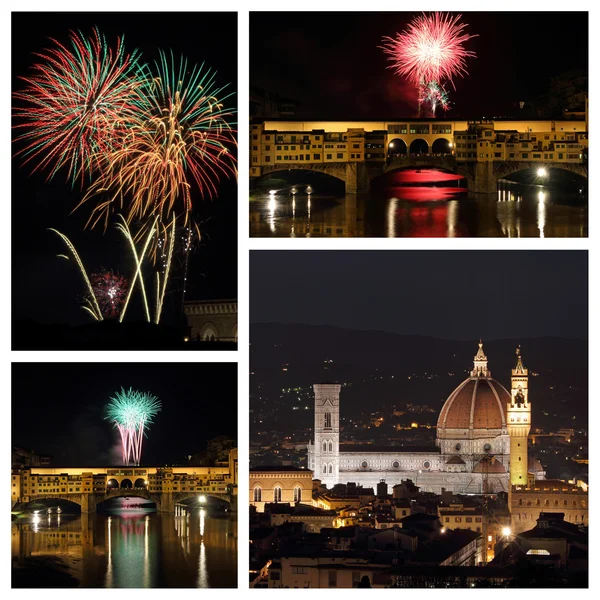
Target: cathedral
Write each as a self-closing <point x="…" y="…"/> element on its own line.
<point x="481" y="440"/>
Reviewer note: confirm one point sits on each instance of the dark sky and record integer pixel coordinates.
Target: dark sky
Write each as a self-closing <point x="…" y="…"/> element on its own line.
<point x="332" y="65"/>
<point x="58" y="409"/>
<point x="454" y="295"/>
<point x="48" y="289"/>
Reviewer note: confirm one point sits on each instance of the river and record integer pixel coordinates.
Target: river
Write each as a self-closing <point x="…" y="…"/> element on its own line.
<point x="125" y="549"/>
<point x="441" y="210"/>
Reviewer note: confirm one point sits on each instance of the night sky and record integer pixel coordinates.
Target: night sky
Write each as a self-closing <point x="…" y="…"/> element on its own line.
<point x="49" y="290"/>
<point x="58" y="409"/>
<point x="332" y="65"/>
<point x="453" y="295"/>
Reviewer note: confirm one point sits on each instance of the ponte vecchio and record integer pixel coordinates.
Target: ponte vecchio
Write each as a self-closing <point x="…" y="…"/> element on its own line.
<point x="357" y="152"/>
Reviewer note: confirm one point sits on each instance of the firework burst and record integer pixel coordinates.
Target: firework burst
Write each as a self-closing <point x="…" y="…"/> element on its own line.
<point x="76" y="104"/>
<point x="110" y="290"/>
<point x="181" y="135"/>
<point x="430" y="51"/>
<point x="132" y="412"/>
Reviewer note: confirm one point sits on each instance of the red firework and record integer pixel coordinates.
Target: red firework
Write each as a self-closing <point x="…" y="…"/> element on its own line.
<point x="110" y="290"/>
<point x="75" y="102"/>
<point x="430" y="49"/>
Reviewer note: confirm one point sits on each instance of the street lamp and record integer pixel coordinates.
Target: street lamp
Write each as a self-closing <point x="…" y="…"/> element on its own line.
<point x="506" y="531"/>
<point x="541" y="172"/>
<point x="202" y="499"/>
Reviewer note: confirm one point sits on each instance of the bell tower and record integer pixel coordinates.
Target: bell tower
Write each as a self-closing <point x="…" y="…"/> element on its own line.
<point x="324" y="461"/>
<point x="519" y="422"/>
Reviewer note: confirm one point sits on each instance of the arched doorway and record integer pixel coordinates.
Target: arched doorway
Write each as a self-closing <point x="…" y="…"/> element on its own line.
<point x="397" y="147"/>
<point x="126" y="484"/>
<point x="441" y="146"/>
<point x="419" y="146"/>
<point x="209" y="333"/>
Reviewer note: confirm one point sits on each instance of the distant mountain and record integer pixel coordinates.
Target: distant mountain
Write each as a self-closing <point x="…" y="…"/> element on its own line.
<point x="391" y="368"/>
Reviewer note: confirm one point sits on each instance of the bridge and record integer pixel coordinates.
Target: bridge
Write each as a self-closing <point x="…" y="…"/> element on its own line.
<point x="89" y="487"/>
<point x="165" y="501"/>
<point x="356" y="153"/>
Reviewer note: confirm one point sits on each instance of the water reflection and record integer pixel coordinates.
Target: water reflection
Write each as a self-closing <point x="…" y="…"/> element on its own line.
<point x="421" y="211"/>
<point x="133" y="549"/>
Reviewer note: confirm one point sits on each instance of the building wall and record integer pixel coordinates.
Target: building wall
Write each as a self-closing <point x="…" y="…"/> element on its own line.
<point x="431" y="481"/>
<point x="526" y="503"/>
<point x="285" y="481"/>
<point x="212" y="320"/>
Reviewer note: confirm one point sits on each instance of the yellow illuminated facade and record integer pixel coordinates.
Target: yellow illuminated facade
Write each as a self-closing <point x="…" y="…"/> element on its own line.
<point x="87" y="486"/>
<point x="519" y="423"/>
<point x="278" y="145"/>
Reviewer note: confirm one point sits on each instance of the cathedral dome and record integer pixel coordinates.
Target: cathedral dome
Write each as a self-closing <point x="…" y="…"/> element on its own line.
<point x="478" y="404"/>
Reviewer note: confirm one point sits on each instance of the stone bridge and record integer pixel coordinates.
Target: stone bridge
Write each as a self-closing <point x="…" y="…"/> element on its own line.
<point x="481" y="176"/>
<point x="165" y="501"/>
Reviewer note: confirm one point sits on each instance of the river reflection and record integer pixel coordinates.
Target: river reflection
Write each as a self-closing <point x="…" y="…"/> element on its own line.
<point x="421" y="211"/>
<point x="132" y="549"/>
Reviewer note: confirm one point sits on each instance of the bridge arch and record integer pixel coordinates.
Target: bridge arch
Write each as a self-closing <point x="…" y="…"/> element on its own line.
<point x="71" y="498"/>
<point x="335" y="170"/>
<point x="139" y="483"/>
<point x="183" y="496"/>
<point x="397" y="146"/>
<point x="112" y="483"/>
<point x="441" y="145"/>
<point x="507" y="169"/>
<point x="126" y="483"/>
<point x="419" y="146"/>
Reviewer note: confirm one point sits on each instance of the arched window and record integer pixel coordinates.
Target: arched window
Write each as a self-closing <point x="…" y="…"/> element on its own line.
<point x="297" y="494"/>
<point x="330" y="446"/>
<point x="257" y="494"/>
<point x="324" y="446"/>
<point x="276" y="494"/>
<point x="547" y="503"/>
<point x="330" y="469"/>
<point x="328" y="420"/>
<point x="324" y="469"/>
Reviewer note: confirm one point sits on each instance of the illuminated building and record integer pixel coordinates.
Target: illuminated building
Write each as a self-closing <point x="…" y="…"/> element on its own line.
<point x="290" y="485"/>
<point x="212" y="320"/>
<point x="358" y="151"/>
<point x="473" y="446"/>
<point x="89" y="486"/>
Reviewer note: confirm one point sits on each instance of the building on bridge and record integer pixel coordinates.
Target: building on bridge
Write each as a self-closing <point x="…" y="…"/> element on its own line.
<point x="358" y="151"/>
<point x="89" y="486"/>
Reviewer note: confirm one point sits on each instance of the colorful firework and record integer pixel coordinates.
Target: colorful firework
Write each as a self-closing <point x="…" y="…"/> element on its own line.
<point x="132" y="412"/>
<point x="76" y="104"/>
<point x="181" y="135"/>
<point x="430" y="51"/>
<point x="109" y="289"/>
<point x="434" y="95"/>
<point x="92" y="302"/>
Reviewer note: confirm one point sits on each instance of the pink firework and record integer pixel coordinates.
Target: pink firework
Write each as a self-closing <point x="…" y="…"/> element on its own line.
<point x="430" y="49"/>
<point x="110" y="290"/>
